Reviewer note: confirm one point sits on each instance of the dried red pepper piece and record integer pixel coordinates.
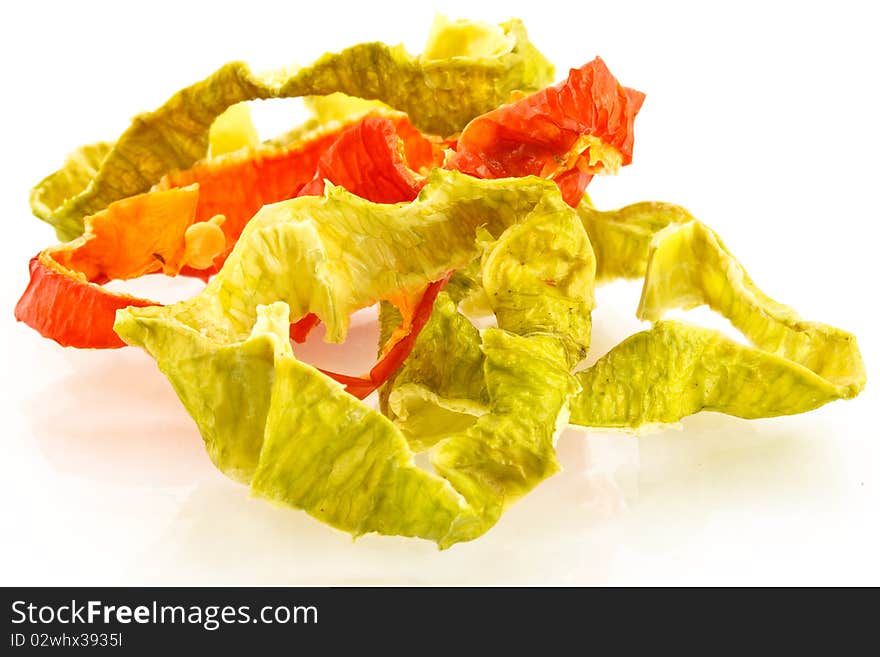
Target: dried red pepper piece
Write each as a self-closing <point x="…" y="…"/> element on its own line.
<point x="566" y="132"/>
<point x="69" y="310"/>
<point x="378" y="159"/>
<point x="138" y="235"/>
<point x="397" y="348"/>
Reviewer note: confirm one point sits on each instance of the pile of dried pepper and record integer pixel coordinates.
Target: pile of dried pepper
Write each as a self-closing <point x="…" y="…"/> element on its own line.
<point x="443" y="186"/>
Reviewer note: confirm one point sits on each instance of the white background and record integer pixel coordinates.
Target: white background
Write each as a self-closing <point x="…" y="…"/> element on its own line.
<point x="760" y="117"/>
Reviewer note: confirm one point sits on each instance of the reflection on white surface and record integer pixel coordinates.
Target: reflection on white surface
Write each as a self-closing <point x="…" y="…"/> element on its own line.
<point x="219" y="528"/>
<point x="651" y="495"/>
<point x="115" y="419"/>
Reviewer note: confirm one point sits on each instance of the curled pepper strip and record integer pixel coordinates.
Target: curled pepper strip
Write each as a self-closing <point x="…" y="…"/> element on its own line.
<point x="567" y="132"/>
<point x="675" y="369"/>
<point x="439" y="93"/>
<point x="296" y="437"/>
<point x="338" y="253"/>
<point x="56" y="300"/>
<point x="132" y="237"/>
<point x="397" y="349"/>
<point x="659" y="375"/>
<point x="375" y="159"/>
<point x="440" y="388"/>
<point x="378" y="159"/>
<point x="622" y="238"/>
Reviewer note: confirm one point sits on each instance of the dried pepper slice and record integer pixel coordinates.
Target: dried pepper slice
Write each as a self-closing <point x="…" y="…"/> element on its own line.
<point x="675" y="369"/>
<point x="56" y="301"/>
<point x="298" y="438"/>
<point x="348" y="253"/>
<point x="566" y="132"/>
<point x="132" y="237"/>
<point x="659" y="375"/>
<point x="622" y="238"/>
<point x="396" y="350"/>
<point x="439" y="93"/>
<point x="336" y="254"/>
<point x="375" y="158"/>
<point x="378" y="160"/>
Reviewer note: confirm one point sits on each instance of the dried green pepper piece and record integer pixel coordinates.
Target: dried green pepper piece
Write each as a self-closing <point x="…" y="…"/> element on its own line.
<point x="440" y="94"/>
<point x="675" y="369"/>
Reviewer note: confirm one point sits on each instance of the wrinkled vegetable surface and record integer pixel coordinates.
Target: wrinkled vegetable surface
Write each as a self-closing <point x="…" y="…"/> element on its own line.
<point x="448" y="190"/>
